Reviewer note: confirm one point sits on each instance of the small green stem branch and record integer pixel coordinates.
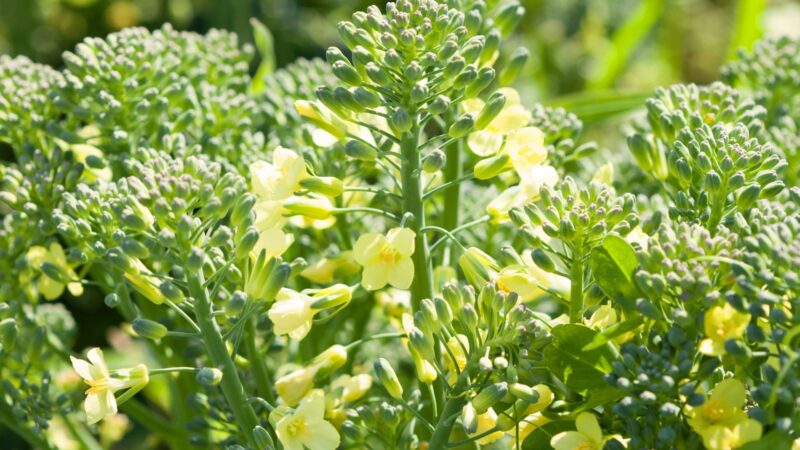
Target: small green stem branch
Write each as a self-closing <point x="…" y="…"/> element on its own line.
<point x="422" y="287"/>
<point x="260" y="372"/>
<point x="231" y="385"/>
<point x="452" y="195"/>
<point x="441" y="433"/>
<point x="576" y="289"/>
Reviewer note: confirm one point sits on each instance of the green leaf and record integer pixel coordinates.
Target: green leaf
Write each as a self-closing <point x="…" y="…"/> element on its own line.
<point x="581" y="370"/>
<point x="613" y="264"/>
<point x="604" y="397"/>
<point x="266" y="49"/>
<point x="613" y="331"/>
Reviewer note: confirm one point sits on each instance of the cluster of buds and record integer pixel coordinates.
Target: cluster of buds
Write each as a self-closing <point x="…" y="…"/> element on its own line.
<point x="716" y="171"/>
<point x="198" y="87"/>
<point x="562" y="130"/>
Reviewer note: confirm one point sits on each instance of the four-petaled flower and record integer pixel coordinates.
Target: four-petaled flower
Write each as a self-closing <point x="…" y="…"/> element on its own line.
<point x="100" y="401"/>
<point x="720" y="324"/>
<point x="52" y="289"/>
<point x="386" y="259"/>
<point x="721" y="420"/>
<point x="306" y="427"/>
<point x="588" y="435"/>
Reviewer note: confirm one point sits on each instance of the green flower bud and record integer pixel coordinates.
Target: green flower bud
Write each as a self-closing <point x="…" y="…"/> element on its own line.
<point x="454" y="67"/>
<point x="448" y="49"/>
<point x="262" y="437"/>
<point x="333" y="54"/>
<point x="325" y="95"/>
<point x="429" y="320"/>
<point x="149" y="329"/>
<point x="8" y="333"/>
<point x="420" y="92"/>
<point x="367" y="98"/>
<point x="112" y="300"/>
<point x="489" y="396"/>
<point x="134" y="248"/>
<point x="461" y="127"/>
<point x="377" y="75"/>
<point x="514" y="66"/>
<point x="772" y="189"/>
<point x="328" y="186"/>
<point x="54" y="272"/>
<point x="490" y="110"/>
<point x="247" y="242"/>
<point x="443" y="310"/>
<point x="400" y="121"/>
<point x="388" y="378"/>
<point x="478" y="267"/>
<point x="488" y="168"/>
<point x="747" y="196"/>
<point x="195" y="260"/>
<point x="467" y="76"/>
<point x="360" y="150"/>
<point x="509" y="17"/>
<point x="421" y="343"/>
<point x="469" y="417"/>
<point x="439" y="105"/>
<point x="315" y="208"/>
<point x="346" y="100"/>
<point x="523" y="392"/>
<point x="483" y="80"/>
<point x="433" y="161"/>
<point x="209" y="376"/>
<point x="471" y="51"/>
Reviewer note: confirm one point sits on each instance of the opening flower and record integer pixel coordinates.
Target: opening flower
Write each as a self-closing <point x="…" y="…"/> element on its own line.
<point x="386" y="259"/>
<point x="292" y="313"/>
<point x="54" y="255"/>
<point x="489" y="141"/>
<point x="721" y="421"/>
<point x="306" y="426"/>
<point x="588" y="435"/>
<point x="281" y="178"/>
<point x="722" y="323"/>
<point x="100" y="401"/>
<point x="486" y="422"/>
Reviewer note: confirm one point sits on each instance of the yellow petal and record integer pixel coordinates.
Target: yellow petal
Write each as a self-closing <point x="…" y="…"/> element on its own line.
<point x="402" y="239"/>
<point x="50" y="288"/>
<point x="367" y="247"/>
<point x="586" y="424"/>
<point x="402" y="274"/>
<point x="375" y="276"/>
<point x="729" y="393"/>
<point x="485" y="142"/>
<point x="570" y="440"/>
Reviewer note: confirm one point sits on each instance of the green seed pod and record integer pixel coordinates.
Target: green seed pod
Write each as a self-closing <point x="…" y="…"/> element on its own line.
<point x="388" y="378"/>
<point x="400" y="121"/>
<point x="360" y="150"/>
<point x="149" y="329"/>
<point x="461" y="127"/>
<point x="329" y="186"/>
<point x="433" y="161"/>
<point x="489" y="396"/>
<point x="209" y="376"/>
<point x="488" y="168"/>
<point x="490" y="110"/>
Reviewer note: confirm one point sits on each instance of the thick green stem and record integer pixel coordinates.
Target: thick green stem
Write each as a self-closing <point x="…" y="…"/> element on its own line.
<point x="576" y="289"/>
<point x="441" y="434"/>
<point x="231" y="385"/>
<point x="452" y="195"/>
<point x="422" y="286"/>
<point x="260" y="372"/>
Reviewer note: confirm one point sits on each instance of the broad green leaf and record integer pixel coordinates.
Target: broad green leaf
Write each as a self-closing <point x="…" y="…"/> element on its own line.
<point x="613" y="331"/>
<point x="774" y="440"/>
<point x="579" y="369"/>
<point x="613" y="264"/>
<point x="266" y="49"/>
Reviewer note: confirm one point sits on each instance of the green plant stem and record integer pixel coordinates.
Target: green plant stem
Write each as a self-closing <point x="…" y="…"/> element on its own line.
<point x="576" y="289"/>
<point x="452" y="195"/>
<point x="422" y="286"/>
<point x="441" y="433"/>
<point x="260" y="372"/>
<point x="231" y="385"/>
<point x="81" y="434"/>
<point x="143" y="415"/>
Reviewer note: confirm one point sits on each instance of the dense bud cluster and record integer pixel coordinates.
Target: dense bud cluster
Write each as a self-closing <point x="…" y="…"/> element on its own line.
<point x="562" y="130"/>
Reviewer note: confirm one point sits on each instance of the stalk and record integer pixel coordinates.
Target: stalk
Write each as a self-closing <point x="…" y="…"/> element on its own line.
<point x="452" y="195"/>
<point x="441" y="434"/>
<point x="231" y="385"/>
<point x="422" y="286"/>
<point x="576" y="289"/>
<point x="260" y="372"/>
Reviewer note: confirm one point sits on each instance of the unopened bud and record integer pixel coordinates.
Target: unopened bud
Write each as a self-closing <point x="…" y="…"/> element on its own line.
<point x="346" y="73"/>
<point x="209" y="376"/>
<point x="149" y="329"/>
<point x="461" y="127"/>
<point x="489" y="396"/>
<point x="388" y="378"/>
<point x="313" y="207"/>
<point x="490" y="110"/>
<point x="514" y="66"/>
<point x="469" y="417"/>
<point x="329" y="186"/>
<point x="400" y="121"/>
<point x="489" y="168"/>
<point x="433" y="161"/>
<point x="360" y="150"/>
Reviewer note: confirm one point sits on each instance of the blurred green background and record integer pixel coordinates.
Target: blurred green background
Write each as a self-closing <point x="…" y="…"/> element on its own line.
<point x="576" y="45"/>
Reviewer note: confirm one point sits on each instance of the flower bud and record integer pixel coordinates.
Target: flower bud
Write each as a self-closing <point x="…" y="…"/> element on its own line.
<point x="345" y="72"/>
<point x="509" y="17"/>
<point x="149" y="329"/>
<point x="247" y="242"/>
<point x="329" y="361"/>
<point x="454" y="67"/>
<point x="360" y="150"/>
<point x="209" y="376"/>
<point x="328" y="186"/>
<point x="346" y="100"/>
<point x="514" y="66"/>
<point x="523" y="392"/>
<point x="388" y="378"/>
<point x="481" y="82"/>
<point x="478" y="267"/>
<point x="313" y="207"/>
<point x="490" y="110"/>
<point x="400" y="121"/>
<point x="469" y="417"/>
<point x="747" y="196"/>
<point x="489" y="168"/>
<point x="377" y="75"/>
<point x="443" y="310"/>
<point x="333" y="54"/>
<point x="55" y="273"/>
<point x="134" y="248"/>
<point x="332" y="297"/>
<point x="489" y="396"/>
<point x="433" y="161"/>
<point x="367" y="98"/>
<point x="440" y="105"/>
<point x="262" y="437"/>
<point x="8" y="333"/>
<point x="461" y="127"/>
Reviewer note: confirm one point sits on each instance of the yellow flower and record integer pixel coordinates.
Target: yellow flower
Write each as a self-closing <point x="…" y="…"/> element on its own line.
<point x="48" y="287"/>
<point x="143" y="282"/>
<point x="489" y="141"/>
<point x="326" y="269"/>
<point x="292" y="312"/>
<point x="486" y="422"/>
<point x="353" y="387"/>
<point x="456" y="344"/>
<point x="588" y="436"/>
<point x="306" y="426"/>
<point x="721" y="421"/>
<point x="100" y="401"/>
<point x="273" y="241"/>
<point x="528" y="425"/>
<point x="532" y="179"/>
<point x="293" y="386"/>
<point x="526" y="148"/>
<point x="280" y="179"/>
<point x="528" y="280"/>
<point x="386" y="259"/>
<point x="90" y="174"/>
<point x="722" y="323"/>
